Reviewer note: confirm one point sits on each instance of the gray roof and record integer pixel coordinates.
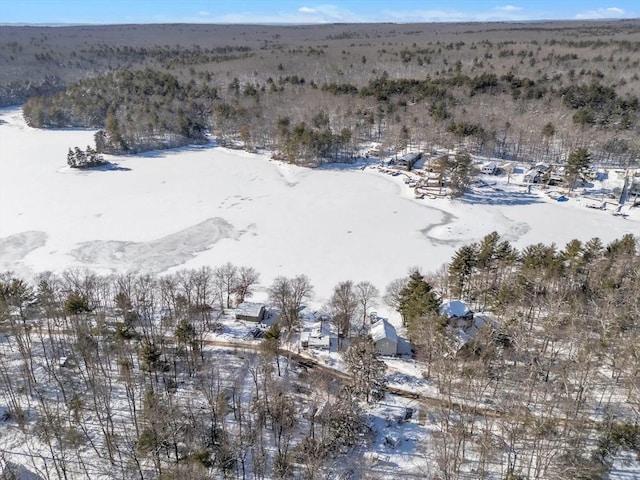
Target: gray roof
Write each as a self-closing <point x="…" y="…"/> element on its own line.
<point x="383" y="329"/>
<point x="249" y="309"/>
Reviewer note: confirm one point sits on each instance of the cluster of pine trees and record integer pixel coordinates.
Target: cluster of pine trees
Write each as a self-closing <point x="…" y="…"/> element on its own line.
<point x="555" y="351"/>
<point x="78" y="158"/>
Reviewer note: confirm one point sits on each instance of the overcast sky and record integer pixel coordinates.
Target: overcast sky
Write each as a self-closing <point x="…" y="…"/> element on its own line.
<point x="300" y="11"/>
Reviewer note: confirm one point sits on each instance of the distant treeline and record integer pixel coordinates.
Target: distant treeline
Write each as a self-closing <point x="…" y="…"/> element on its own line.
<point x="148" y="109"/>
<point x="314" y="94"/>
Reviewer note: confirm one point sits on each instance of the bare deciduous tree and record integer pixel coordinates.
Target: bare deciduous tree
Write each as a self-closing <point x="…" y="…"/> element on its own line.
<point x="247" y="279"/>
<point x="343" y="306"/>
<point x="287" y="294"/>
<point x="367" y="295"/>
<point x="226" y="277"/>
<point x="392" y="293"/>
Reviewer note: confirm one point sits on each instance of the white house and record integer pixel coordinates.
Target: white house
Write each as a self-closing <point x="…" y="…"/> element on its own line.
<point x="384" y="337"/>
<point x="315" y="340"/>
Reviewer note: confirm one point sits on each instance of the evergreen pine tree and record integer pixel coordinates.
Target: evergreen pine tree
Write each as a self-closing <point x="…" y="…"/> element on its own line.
<point x="461" y="268"/>
<point x="71" y="159"/>
<point x="578" y="163"/>
<point x="417" y="300"/>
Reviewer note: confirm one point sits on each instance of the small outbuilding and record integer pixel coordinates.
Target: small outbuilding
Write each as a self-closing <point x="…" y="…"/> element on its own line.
<point x="251" y="312"/>
<point x="532" y="176"/>
<point x="315" y="341"/>
<point x="384" y="337"/>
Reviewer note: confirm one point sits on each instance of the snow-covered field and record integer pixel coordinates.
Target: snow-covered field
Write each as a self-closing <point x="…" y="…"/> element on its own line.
<point x="207" y="206"/>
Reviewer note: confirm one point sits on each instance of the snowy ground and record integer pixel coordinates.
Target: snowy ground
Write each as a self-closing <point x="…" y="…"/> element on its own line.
<point x="206" y="206"/>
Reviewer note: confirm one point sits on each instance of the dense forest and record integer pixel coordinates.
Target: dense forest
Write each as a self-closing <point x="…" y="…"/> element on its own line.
<point x="118" y="376"/>
<point x="530" y="92"/>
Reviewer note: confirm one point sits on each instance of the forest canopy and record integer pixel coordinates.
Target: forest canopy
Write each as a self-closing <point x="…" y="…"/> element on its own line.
<point x="531" y="92"/>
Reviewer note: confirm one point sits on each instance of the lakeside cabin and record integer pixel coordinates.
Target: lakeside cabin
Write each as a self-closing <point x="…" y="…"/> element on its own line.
<point x="409" y="160"/>
<point x="251" y="312"/>
<point x="532" y="176"/>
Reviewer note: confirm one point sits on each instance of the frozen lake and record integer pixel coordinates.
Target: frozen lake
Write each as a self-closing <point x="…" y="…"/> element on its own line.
<point x="206" y="206"/>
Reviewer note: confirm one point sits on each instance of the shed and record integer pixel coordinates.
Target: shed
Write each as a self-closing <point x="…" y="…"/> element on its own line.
<point x="252" y="312"/>
<point x="67" y="362"/>
<point x="384" y="337"/>
<point x="532" y="176"/>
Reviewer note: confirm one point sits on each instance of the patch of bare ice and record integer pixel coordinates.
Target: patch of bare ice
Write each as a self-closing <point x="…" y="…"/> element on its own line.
<point x="157" y="255"/>
<point x="15" y="247"/>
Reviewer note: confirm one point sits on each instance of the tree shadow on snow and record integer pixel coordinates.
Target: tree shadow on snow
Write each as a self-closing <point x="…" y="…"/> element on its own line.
<point x="105" y="167"/>
<point x="15" y="470"/>
<point x="496" y="196"/>
<point x="164" y="152"/>
<point x="356" y="164"/>
<point x="596" y="192"/>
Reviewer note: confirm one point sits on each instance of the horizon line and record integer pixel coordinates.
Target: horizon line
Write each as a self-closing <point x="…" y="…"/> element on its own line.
<point x="295" y="24"/>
